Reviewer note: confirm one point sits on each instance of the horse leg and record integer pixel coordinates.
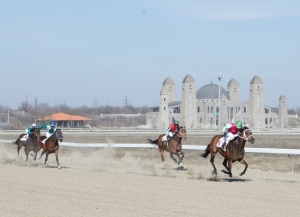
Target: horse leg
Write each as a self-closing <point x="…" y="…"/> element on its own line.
<point x="56" y="155"/>
<point x="26" y="152"/>
<point x="212" y="161"/>
<point x="246" y="166"/>
<point x="36" y="151"/>
<point x="182" y="156"/>
<point x="225" y="165"/>
<point x="161" y="150"/>
<point x="46" y="157"/>
<point x="171" y="155"/>
<point x="43" y="152"/>
<point x="19" y="149"/>
<point x="229" y="168"/>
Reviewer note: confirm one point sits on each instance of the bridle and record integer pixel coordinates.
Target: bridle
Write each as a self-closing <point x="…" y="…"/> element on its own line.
<point x="244" y="137"/>
<point x="58" y="136"/>
<point x="181" y="134"/>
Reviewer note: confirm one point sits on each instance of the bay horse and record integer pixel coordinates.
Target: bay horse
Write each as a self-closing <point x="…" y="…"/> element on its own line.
<point x="30" y="143"/>
<point x="235" y="150"/>
<point x="173" y="145"/>
<point x="50" y="146"/>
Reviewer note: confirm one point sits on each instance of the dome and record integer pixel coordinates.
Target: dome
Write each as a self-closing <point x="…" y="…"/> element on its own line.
<point x="168" y="81"/>
<point x="282" y="97"/>
<point x="256" y="80"/>
<point x="233" y="82"/>
<point x="210" y="91"/>
<point x="188" y="79"/>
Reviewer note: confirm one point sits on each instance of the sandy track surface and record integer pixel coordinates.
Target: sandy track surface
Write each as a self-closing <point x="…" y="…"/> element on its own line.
<point x="109" y="182"/>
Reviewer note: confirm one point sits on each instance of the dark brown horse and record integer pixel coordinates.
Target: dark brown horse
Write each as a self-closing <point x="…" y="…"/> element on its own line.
<point x="51" y="145"/>
<point x="29" y="144"/>
<point x="174" y="145"/>
<point x="235" y="150"/>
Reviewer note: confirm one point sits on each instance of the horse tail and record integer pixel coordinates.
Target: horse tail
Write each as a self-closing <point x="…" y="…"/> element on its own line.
<point x="153" y="142"/>
<point x="17" y="141"/>
<point x="207" y="151"/>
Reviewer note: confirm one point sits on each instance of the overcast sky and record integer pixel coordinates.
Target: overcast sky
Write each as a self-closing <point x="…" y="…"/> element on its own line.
<point x="82" y="52"/>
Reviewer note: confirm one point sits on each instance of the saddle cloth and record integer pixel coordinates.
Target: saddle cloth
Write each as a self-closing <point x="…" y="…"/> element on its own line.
<point x="24" y="138"/>
<point x="220" y="142"/>
<point x="164" y="138"/>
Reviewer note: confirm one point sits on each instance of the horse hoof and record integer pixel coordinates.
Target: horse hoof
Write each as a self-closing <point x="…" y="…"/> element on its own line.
<point x="59" y="167"/>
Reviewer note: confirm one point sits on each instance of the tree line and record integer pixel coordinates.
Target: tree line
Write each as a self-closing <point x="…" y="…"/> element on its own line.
<point x="27" y="113"/>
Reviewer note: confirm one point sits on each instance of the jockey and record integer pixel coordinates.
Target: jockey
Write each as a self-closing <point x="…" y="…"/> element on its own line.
<point x="50" y="129"/>
<point x="30" y="130"/>
<point x="230" y="132"/>
<point x="172" y="129"/>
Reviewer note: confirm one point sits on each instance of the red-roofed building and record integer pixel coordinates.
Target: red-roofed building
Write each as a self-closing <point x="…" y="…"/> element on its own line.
<point x="65" y="120"/>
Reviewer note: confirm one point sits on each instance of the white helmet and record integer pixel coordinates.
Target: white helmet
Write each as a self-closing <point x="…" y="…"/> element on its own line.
<point x="33" y="125"/>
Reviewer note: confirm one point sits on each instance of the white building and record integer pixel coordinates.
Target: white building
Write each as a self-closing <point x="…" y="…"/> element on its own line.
<point x="199" y="109"/>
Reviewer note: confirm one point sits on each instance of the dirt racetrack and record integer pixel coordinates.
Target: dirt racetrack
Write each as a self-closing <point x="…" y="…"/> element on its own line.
<point x="129" y="182"/>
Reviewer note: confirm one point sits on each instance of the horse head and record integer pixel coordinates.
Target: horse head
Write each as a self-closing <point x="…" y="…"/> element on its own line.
<point x="182" y="133"/>
<point x="58" y="135"/>
<point x="37" y="132"/>
<point x="247" y="135"/>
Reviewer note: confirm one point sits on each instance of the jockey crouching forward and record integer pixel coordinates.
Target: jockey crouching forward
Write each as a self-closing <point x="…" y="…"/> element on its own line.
<point x="172" y="129"/>
<point x="30" y="131"/>
<point x="50" y="131"/>
<point x="230" y="132"/>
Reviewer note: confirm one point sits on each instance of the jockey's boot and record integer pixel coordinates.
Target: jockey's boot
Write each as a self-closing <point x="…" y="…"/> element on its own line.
<point x="223" y="145"/>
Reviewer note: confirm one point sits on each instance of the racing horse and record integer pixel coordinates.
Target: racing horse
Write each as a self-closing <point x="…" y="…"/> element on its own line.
<point x="50" y="145"/>
<point x="235" y="150"/>
<point x="29" y="143"/>
<point x="173" y="146"/>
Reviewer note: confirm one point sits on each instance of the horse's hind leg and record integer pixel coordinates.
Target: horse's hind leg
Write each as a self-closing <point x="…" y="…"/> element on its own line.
<point x="212" y="161"/>
<point x="46" y="157"/>
<point x="162" y="154"/>
<point x="43" y="152"/>
<point x="246" y="166"/>
<point x="56" y="155"/>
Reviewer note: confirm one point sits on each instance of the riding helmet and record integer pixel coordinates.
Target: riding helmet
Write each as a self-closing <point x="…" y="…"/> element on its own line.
<point x="52" y="124"/>
<point x="238" y="124"/>
<point x="176" y="122"/>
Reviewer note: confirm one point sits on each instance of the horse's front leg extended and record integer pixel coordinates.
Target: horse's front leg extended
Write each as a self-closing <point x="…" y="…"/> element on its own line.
<point x="225" y="165"/>
<point x="182" y="156"/>
<point x="246" y="166"/>
<point x="172" y="156"/>
<point x="56" y="155"/>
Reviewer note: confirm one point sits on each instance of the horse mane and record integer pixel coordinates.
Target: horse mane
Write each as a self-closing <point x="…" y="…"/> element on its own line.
<point x="245" y="128"/>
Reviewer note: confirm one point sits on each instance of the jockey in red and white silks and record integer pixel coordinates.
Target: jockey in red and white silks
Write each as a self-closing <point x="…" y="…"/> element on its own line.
<point x="231" y="131"/>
